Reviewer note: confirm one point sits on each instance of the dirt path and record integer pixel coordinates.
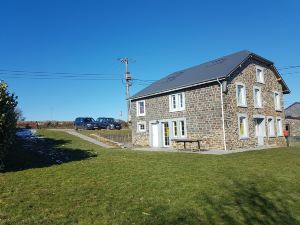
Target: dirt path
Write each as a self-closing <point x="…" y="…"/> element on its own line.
<point x="84" y="137"/>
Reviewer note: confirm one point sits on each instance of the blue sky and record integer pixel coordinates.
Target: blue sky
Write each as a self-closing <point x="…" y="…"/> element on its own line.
<point x="162" y="36"/>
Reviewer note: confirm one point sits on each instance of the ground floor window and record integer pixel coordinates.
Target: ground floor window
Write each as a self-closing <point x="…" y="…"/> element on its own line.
<point x="243" y="126"/>
<point x="182" y="128"/>
<point x="271" y="127"/>
<point x="166" y="134"/>
<point x="141" y="126"/>
<point x="175" y="133"/>
<point x="279" y="127"/>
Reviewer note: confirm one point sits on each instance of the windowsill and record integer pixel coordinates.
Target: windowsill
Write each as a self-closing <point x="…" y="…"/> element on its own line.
<point x="278" y="110"/>
<point x="177" y="110"/>
<point x="273" y="136"/>
<point x="259" y="82"/>
<point x="258" y="107"/>
<point x="280" y="135"/>
<point x="244" y="138"/>
<point x="141" y="131"/>
<point x="242" y="106"/>
<point x="141" y="115"/>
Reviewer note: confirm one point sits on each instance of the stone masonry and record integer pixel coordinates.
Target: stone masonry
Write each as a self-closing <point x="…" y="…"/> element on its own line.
<point x="294" y="126"/>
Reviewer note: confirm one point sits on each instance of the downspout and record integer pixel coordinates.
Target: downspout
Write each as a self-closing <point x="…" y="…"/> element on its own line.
<point x="223" y="120"/>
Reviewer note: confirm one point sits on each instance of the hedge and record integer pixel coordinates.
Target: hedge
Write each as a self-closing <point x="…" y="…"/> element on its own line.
<point x="8" y="120"/>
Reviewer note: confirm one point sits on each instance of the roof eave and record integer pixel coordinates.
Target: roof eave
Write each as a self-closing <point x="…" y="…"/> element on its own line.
<point x="179" y="88"/>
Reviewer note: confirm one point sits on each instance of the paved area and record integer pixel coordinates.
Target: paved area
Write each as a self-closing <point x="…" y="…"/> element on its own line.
<point x="204" y="152"/>
<point x="84" y="137"/>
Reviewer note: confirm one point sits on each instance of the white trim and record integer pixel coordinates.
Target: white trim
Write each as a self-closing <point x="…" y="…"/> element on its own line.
<point x="261" y="101"/>
<point x="279" y="134"/>
<point x="273" y="126"/>
<point x="246" y="136"/>
<point x="263" y="74"/>
<point x="138" y="108"/>
<point x="277" y="107"/>
<point x="178" y="106"/>
<point x="245" y="94"/>
<point x="223" y="119"/>
<point x="138" y="129"/>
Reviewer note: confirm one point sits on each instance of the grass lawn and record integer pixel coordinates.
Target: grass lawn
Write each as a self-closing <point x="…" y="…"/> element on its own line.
<point x="106" y="132"/>
<point x="98" y="186"/>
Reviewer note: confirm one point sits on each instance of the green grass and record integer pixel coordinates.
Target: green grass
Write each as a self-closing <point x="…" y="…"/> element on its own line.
<point x="106" y="132"/>
<point x="98" y="186"/>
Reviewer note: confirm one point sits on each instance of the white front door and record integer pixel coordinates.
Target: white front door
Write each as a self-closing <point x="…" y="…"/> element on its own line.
<point x="260" y="130"/>
<point x="155" y="137"/>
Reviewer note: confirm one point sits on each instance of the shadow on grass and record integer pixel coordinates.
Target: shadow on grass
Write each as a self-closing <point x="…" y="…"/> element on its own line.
<point x="245" y="203"/>
<point x="42" y="152"/>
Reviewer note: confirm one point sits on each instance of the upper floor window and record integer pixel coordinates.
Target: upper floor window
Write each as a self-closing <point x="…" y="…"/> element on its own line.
<point x="241" y="94"/>
<point x="277" y="101"/>
<point x="141" y="108"/>
<point x="257" y="97"/>
<point x="271" y="127"/>
<point x="260" y="74"/>
<point x="177" y="102"/>
<point x="279" y="127"/>
<point x="243" y="126"/>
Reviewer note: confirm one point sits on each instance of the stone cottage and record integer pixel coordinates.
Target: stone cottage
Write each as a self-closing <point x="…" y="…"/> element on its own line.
<point x="235" y="101"/>
<point x="292" y="119"/>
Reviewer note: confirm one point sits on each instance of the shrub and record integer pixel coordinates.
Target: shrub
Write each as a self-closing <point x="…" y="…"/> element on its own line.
<point x="8" y="119"/>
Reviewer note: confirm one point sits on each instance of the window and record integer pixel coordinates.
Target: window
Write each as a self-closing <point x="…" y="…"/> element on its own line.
<point x="141" y="109"/>
<point x="177" y="102"/>
<point x="260" y="74"/>
<point x="271" y="127"/>
<point x="257" y="97"/>
<point x="175" y="132"/>
<point x="243" y="126"/>
<point x="241" y="94"/>
<point x="277" y="101"/>
<point x="279" y="127"/>
<point x="141" y="126"/>
<point x="182" y="128"/>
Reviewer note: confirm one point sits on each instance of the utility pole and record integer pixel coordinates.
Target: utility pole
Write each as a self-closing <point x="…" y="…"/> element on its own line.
<point x="127" y="83"/>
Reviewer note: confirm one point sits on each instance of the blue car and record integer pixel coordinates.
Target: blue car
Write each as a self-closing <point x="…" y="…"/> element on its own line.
<point x="85" y="123"/>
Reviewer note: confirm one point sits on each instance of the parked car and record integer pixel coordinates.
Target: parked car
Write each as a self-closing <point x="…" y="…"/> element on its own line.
<point x="108" y="123"/>
<point x="86" y="123"/>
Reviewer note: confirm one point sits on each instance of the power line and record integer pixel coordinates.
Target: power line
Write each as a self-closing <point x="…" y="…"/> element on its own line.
<point x="288" y="67"/>
<point x="59" y="73"/>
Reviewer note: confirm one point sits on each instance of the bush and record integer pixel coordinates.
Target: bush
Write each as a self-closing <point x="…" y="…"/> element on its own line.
<point x="8" y="120"/>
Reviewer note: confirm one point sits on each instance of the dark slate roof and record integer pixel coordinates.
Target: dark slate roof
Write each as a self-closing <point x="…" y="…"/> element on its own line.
<point x="209" y="71"/>
<point x="293" y="111"/>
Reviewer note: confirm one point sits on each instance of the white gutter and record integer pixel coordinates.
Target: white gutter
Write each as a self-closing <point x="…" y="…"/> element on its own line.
<point x="223" y="120"/>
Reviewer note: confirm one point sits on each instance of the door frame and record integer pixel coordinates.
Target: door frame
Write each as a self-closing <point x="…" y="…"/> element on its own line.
<point x="261" y="127"/>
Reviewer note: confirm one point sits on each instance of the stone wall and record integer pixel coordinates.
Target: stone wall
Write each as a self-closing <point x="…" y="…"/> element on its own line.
<point x="202" y="113"/>
<point x="294" y="126"/>
<point x="247" y="75"/>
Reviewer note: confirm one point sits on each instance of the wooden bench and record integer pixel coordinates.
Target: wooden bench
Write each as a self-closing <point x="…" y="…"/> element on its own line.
<point x="184" y="141"/>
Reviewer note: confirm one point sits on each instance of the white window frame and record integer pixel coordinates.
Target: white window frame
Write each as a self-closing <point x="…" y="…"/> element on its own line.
<point x="180" y="128"/>
<point x="244" y="104"/>
<point x="279" y="128"/>
<point x="138" y="113"/>
<point x="273" y="126"/>
<point x="139" y="130"/>
<point x="173" y="128"/>
<point x="258" y="80"/>
<point x="246" y="136"/>
<point x="261" y="101"/>
<point x="177" y="105"/>
<point x="277" y="107"/>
